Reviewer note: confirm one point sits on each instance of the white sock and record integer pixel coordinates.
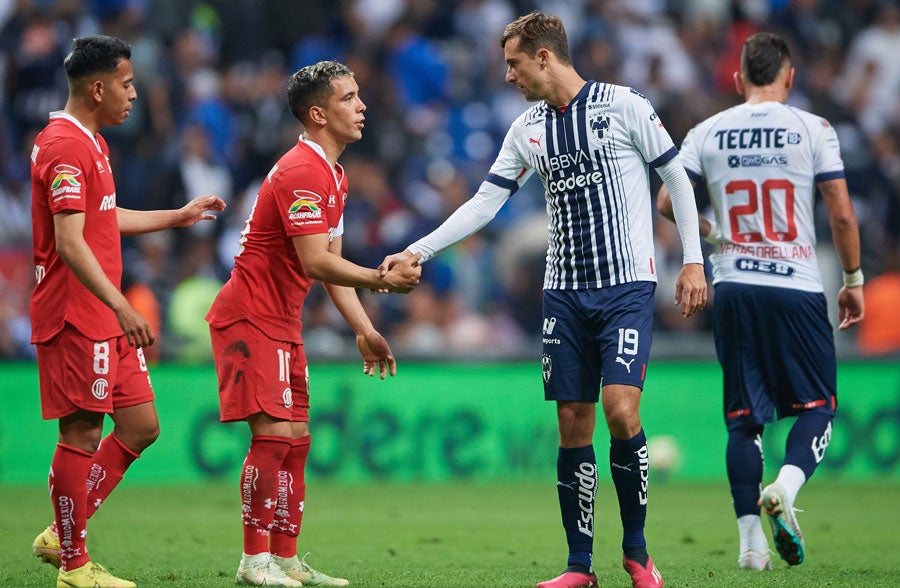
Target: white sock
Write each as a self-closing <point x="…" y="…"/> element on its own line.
<point x="752" y="534"/>
<point x="791" y="478"/>
<point x="257" y="558"/>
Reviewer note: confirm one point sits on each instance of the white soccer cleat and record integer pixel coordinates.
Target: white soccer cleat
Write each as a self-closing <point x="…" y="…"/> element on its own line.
<point x="261" y="570"/>
<point x="299" y="570"/>
<point x="786" y="531"/>
<point x="754" y="560"/>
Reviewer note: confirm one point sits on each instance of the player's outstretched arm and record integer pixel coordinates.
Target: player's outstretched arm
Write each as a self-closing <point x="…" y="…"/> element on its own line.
<point x="321" y="260"/>
<point x="137" y="222"/>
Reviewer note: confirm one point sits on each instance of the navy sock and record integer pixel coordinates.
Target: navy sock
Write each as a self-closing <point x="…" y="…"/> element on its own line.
<point x="744" y="462"/>
<point x="576" y="470"/>
<point x="630" y="465"/>
<point x="806" y="443"/>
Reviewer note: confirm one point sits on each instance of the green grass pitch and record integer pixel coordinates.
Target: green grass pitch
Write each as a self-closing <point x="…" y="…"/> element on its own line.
<point x="462" y="534"/>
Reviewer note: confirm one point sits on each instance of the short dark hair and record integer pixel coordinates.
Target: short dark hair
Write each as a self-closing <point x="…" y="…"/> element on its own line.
<point x="311" y="86"/>
<point x="539" y="30"/>
<point x="93" y="55"/>
<point x="762" y="58"/>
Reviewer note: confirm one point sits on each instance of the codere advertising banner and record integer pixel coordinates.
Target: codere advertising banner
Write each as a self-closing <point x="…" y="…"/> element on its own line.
<point x="435" y="422"/>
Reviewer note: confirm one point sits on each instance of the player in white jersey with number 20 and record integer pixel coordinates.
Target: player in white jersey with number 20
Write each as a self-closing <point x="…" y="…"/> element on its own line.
<point x="761" y="162"/>
<point x="592" y="145"/>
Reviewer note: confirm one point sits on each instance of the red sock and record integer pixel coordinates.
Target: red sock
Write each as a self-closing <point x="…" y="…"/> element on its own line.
<point x="68" y="492"/>
<point x="259" y="488"/>
<point x="107" y="469"/>
<point x="291" y="495"/>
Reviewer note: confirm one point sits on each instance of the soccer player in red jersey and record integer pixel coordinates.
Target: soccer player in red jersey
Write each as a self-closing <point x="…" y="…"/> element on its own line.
<point x="88" y="337"/>
<point x="292" y="237"/>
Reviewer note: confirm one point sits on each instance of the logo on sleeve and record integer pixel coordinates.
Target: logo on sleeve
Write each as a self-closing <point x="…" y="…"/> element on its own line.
<point x="306" y="208"/>
<point x="65" y="183"/>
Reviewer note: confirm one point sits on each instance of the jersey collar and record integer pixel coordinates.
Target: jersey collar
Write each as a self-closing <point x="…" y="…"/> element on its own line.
<point x="61" y="114"/>
<point x="321" y="153"/>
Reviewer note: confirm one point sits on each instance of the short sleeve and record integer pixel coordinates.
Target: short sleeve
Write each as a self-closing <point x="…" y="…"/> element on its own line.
<point x="65" y="170"/>
<point x="510" y="170"/>
<point x="648" y="134"/>
<point x="827" y="161"/>
<point x="301" y="194"/>
<point x="689" y="155"/>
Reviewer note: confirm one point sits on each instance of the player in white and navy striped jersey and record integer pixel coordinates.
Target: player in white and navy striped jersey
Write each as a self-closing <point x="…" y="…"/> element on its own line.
<point x="592" y="145"/>
<point x="761" y="162"/>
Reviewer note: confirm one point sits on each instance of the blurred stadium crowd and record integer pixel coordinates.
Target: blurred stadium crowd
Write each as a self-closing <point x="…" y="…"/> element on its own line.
<point x="211" y="118"/>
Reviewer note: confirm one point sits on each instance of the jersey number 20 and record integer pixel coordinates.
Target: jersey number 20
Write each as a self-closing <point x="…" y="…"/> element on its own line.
<point x="769" y="190"/>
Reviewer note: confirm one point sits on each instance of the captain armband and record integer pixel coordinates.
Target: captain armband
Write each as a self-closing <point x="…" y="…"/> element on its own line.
<point x="853" y="278"/>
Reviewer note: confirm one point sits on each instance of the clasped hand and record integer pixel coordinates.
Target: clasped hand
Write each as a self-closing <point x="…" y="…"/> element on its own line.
<point x="401" y="271"/>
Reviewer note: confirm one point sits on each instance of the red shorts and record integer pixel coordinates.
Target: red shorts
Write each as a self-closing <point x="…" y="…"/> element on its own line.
<point x="258" y="374"/>
<point x="99" y="376"/>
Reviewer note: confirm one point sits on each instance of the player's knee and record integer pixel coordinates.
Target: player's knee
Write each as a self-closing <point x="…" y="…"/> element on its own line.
<point x="150" y="434"/>
<point x="623" y="422"/>
<point x="138" y="438"/>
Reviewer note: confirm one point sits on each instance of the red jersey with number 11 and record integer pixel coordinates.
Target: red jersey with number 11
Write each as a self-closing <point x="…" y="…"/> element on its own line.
<point x="302" y="195"/>
<point x="70" y="172"/>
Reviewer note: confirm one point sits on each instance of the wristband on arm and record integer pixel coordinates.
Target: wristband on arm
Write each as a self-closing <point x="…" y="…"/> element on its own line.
<point x="853" y="278"/>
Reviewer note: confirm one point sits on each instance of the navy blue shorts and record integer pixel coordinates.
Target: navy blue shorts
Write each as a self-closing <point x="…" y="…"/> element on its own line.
<point x="594" y="337"/>
<point x="776" y="348"/>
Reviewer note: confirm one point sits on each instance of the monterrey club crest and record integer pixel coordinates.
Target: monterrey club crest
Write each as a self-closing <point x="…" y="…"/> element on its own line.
<point x="600" y="126"/>
<point x="546" y="367"/>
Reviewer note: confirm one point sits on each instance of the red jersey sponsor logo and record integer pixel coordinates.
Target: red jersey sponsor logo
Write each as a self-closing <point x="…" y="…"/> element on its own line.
<point x="65" y="182"/>
<point x="307" y="206"/>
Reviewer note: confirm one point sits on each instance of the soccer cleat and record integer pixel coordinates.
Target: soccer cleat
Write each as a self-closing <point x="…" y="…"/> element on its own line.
<point x="46" y="546"/>
<point x="299" y="570"/>
<point x="754" y="560"/>
<point x="570" y="580"/>
<point x="261" y="570"/>
<point x="788" y="537"/>
<point x="90" y="575"/>
<point x="643" y="576"/>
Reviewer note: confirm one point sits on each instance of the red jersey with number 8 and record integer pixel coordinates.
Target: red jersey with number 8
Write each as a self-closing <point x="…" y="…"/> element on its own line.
<point x="70" y="172"/>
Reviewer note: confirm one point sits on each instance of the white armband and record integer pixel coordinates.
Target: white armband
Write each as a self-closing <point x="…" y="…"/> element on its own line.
<point x="853" y="278"/>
